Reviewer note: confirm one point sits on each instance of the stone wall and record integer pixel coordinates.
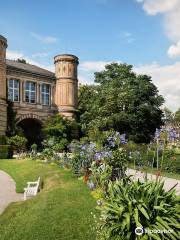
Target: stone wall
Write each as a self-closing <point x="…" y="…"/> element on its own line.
<point x="22" y="108"/>
<point x="3" y="103"/>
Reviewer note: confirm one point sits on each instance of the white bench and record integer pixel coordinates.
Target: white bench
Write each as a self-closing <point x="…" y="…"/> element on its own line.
<point x="31" y="189"/>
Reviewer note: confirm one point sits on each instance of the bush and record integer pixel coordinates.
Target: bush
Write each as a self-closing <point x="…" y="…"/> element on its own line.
<point x="118" y="161"/>
<point x="5" y="151"/>
<point x="136" y="204"/>
<point x="61" y="130"/>
<point x="18" y="143"/>
<point x="2" y="140"/>
<point x="171" y="161"/>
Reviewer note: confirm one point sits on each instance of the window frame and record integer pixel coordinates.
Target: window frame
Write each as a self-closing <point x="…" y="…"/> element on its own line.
<point x="30" y="92"/>
<point x="13" y="88"/>
<point x="45" y="94"/>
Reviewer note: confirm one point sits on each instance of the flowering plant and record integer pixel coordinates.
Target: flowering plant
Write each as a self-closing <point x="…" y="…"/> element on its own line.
<point x="115" y="139"/>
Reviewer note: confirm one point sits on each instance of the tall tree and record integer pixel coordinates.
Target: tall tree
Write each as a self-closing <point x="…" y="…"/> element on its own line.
<point x="123" y="101"/>
<point x="177" y="118"/>
<point x="168" y="116"/>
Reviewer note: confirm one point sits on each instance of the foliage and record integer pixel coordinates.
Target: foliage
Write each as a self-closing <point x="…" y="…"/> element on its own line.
<point x="172" y="119"/>
<point x="118" y="162"/>
<point x="21" y="60"/>
<point x="136" y="204"/>
<point x="177" y="117"/>
<point x="5" y="152"/>
<point x="100" y="175"/>
<point x="18" y="143"/>
<point x="2" y="139"/>
<point x="171" y="161"/>
<point x="34" y="147"/>
<point x="12" y="128"/>
<point x="123" y="101"/>
<point x="102" y="163"/>
<point x="61" y="131"/>
<point x="83" y="154"/>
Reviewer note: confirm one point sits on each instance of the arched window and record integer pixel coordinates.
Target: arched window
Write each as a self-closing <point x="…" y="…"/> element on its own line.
<point x="13" y="90"/>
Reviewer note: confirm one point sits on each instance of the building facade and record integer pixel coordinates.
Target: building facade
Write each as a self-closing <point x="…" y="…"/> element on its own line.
<point x="36" y="93"/>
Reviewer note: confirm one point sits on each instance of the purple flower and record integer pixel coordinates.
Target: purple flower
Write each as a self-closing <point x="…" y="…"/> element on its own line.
<point x="83" y="147"/>
<point x="157" y="133"/>
<point x="97" y="156"/>
<point x="172" y="134"/>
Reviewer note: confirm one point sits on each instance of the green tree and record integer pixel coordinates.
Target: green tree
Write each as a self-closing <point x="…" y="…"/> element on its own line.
<point x="168" y="116"/>
<point x="123" y="101"/>
<point x="177" y="118"/>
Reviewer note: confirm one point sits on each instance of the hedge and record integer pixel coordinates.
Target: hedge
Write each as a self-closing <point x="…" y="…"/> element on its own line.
<point x="5" y="151"/>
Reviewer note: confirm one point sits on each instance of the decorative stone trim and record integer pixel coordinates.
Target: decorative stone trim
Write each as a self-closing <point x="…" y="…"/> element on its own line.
<point x="29" y="115"/>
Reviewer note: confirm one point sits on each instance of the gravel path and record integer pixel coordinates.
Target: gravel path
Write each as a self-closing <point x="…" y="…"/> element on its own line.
<point x="168" y="182"/>
<point x="7" y="191"/>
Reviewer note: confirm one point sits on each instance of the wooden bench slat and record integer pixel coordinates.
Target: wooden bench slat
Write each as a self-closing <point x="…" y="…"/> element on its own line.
<point x="32" y="189"/>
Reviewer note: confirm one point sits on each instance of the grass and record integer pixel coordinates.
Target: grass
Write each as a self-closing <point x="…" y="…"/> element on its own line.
<point x="61" y="211"/>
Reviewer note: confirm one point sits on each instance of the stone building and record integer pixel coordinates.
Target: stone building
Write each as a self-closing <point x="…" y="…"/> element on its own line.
<point x="36" y="93"/>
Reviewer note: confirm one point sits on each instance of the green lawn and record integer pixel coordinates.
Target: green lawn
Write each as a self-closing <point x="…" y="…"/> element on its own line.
<point x="62" y="209"/>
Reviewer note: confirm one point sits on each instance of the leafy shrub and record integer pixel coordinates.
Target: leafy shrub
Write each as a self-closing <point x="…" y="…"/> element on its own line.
<point x="171" y="161"/>
<point x="18" y="143"/>
<point x="118" y="161"/>
<point x="5" y="151"/>
<point x="2" y="140"/>
<point x="61" y="131"/>
<point x="34" y="147"/>
<point x="82" y="156"/>
<point x="136" y="204"/>
<point x="100" y="175"/>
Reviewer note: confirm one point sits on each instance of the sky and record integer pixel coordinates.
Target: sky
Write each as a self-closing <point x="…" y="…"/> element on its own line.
<point x="143" y="33"/>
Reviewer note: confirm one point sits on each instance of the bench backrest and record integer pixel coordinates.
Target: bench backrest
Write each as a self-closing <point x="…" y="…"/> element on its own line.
<point x="33" y="186"/>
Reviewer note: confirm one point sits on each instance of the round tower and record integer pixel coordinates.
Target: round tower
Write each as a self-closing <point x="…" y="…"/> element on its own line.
<point x="66" y="95"/>
<point x="3" y="94"/>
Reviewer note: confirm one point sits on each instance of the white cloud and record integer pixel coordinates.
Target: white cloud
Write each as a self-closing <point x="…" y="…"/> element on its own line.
<point x="170" y="9"/>
<point x="167" y="79"/>
<point x="172" y="23"/>
<point x="153" y="7"/>
<point x="40" y="55"/>
<point x="127" y="37"/>
<point x="87" y="70"/>
<point x="94" y="66"/>
<point x="44" y="39"/>
<point x="14" y="55"/>
<point x="174" y="50"/>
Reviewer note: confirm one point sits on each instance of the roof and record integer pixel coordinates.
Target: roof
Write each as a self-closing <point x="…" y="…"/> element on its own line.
<point x="28" y="68"/>
<point x="3" y="39"/>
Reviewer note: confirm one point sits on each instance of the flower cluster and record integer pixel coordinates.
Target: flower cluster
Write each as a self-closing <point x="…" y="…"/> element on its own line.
<point x="115" y="139"/>
<point x="102" y="155"/>
<point x="169" y="134"/>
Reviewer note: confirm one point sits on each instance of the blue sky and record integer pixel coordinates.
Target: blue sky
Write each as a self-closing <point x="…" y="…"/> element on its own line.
<point x="139" y="32"/>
